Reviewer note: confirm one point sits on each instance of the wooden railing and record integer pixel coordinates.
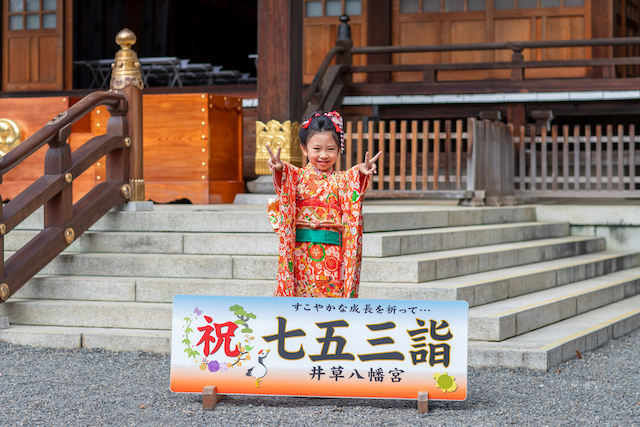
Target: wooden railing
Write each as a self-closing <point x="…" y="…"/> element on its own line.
<point x="517" y="65"/>
<point x="333" y="82"/>
<point x="64" y="221"/>
<point x="578" y="161"/>
<point x="435" y="159"/>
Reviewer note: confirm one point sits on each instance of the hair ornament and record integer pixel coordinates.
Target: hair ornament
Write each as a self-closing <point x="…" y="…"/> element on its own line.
<point x="337" y="121"/>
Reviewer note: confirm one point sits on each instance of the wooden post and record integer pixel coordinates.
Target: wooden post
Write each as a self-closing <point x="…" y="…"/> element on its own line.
<point x="423" y="402"/>
<point x="210" y="398"/>
<point x="59" y="210"/>
<point x="517" y="74"/>
<point x="516" y="115"/>
<point x="127" y="80"/>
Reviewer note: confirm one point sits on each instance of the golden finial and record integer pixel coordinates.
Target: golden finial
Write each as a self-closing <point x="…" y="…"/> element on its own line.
<point x="126" y="38"/>
<point x="126" y="67"/>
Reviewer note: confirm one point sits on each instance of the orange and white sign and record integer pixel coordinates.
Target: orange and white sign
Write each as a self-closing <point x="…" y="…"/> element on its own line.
<point x="330" y="347"/>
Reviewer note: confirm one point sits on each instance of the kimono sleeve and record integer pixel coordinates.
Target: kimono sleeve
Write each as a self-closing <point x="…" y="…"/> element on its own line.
<point x="286" y="185"/>
<point x="352" y="187"/>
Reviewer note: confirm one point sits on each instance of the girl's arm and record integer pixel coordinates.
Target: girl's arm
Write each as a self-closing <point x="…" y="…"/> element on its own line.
<point x="275" y="166"/>
<point x="367" y="168"/>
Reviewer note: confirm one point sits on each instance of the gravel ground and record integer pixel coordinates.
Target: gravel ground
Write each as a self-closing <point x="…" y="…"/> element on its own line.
<point x="42" y="386"/>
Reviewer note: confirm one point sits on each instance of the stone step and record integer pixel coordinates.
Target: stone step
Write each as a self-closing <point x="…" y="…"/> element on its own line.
<point x="396" y="243"/>
<point x="407" y="268"/>
<point x="92" y="314"/>
<point x="459" y="262"/>
<point x="380" y="244"/>
<point x="253" y="218"/>
<point x="539" y="349"/>
<point x="516" y="316"/>
<point x="144" y="265"/>
<point x="557" y="343"/>
<point x="490" y="286"/>
<point x="140" y="289"/>
<point x="112" y="339"/>
<point x="476" y="289"/>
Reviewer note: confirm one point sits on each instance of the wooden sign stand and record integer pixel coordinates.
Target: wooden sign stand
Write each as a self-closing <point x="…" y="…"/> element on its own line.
<point x="210" y="398"/>
<point x="423" y="402"/>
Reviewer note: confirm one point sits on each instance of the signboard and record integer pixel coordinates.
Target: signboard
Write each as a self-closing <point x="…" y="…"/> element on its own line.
<point x="330" y="347"/>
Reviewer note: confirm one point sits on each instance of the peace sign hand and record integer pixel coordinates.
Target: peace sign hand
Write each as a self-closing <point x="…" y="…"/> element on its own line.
<point x="274" y="162"/>
<point x="368" y="167"/>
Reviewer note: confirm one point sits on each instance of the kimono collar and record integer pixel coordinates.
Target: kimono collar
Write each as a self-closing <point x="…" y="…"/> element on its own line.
<point x="318" y="172"/>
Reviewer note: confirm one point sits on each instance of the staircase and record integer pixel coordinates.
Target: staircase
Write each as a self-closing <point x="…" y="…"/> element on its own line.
<point x="536" y="294"/>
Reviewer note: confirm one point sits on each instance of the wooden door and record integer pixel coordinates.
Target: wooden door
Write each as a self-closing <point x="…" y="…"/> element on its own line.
<point x="320" y="30"/>
<point x="418" y="22"/>
<point x="34" y="57"/>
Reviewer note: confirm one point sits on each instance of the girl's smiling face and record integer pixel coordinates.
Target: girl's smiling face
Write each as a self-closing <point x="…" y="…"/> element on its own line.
<point x="321" y="150"/>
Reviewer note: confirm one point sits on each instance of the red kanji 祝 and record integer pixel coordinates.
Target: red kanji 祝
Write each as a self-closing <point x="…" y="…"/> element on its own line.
<point x="220" y="335"/>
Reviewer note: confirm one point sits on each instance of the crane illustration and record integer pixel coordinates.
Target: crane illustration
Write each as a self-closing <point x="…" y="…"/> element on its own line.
<point x="259" y="371"/>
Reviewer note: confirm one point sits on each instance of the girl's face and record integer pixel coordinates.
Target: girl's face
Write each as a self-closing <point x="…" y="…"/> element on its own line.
<point x="321" y="150"/>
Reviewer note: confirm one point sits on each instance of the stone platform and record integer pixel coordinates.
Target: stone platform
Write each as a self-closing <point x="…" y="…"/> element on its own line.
<point x="536" y="293"/>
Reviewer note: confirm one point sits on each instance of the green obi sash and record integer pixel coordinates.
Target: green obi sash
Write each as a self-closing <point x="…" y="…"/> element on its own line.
<point x="318" y="236"/>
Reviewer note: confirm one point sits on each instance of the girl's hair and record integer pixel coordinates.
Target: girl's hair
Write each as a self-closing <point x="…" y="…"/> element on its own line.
<point x="318" y="122"/>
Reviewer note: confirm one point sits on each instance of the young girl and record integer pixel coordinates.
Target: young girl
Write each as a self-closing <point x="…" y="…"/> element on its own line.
<point x="320" y="214"/>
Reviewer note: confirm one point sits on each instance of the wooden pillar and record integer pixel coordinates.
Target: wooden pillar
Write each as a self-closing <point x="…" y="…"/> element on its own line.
<point x="127" y="80"/>
<point x="602" y="23"/>
<point x="379" y="34"/>
<point x="279" y="60"/>
<point x="516" y="115"/>
<point x="279" y="80"/>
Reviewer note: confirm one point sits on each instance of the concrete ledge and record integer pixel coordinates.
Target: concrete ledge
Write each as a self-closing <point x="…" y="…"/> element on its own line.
<point x="133" y="207"/>
<point x="127" y="340"/>
<point x="618" y="224"/>
<point x="617" y="215"/>
<point x="91" y="314"/>
<point x="39" y="337"/>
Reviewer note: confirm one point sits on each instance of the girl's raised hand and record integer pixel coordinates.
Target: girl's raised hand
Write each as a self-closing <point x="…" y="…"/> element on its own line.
<point x="274" y="162"/>
<point x="368" y="167"/>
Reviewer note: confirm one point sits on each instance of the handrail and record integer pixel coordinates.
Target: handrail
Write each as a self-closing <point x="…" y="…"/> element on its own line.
<point x="515" y="46"/>
<point x="385" y="68"/>
<point x="336" y="50"/>
<point x="50" y="131"/>
<point x="64" y="221"/>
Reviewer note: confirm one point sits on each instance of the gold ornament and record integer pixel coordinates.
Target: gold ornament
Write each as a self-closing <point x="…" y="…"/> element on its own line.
<point x="69" y="235"/>
<point x="9" y="136"/>
<point x="126" y="191"/>
<point x="276" y="134"/>
<point x="137" y="190"/>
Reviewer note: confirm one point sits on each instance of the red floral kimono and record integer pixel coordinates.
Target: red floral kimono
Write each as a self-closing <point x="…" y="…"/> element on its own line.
<point x="311" y="199"/>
